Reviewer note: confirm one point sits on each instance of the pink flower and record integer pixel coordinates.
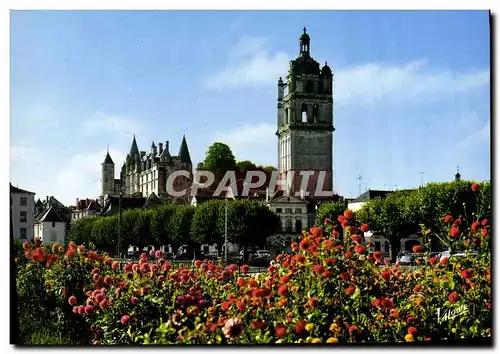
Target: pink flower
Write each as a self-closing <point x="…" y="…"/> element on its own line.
<point x="125" y="319"/>
<point x="89" y="310"/>
<point x="134" y="300"/>
<point x="72" y="300"/>
<point x="475" y="187"/>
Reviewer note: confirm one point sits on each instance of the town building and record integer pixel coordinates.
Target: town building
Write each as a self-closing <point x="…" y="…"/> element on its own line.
<point x="50" y="227"/>
<point x="305" y="122"/>
<point x="22" y="204"/>
<point x="41" y="208"/>
<point x="85" y="208"/>
<point x="146" y="173"/>
<point x="356" y="203"/>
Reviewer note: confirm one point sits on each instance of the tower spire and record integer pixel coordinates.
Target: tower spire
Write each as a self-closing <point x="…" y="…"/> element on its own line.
<point x="304" y="43"/>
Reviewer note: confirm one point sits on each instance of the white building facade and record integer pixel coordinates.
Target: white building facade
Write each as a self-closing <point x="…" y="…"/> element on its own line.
<point x="50" y="228"/>
<point x="23" y="213"/>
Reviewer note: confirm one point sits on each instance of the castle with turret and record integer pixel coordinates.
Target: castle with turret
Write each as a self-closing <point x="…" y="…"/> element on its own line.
<point x="143" y="174"/>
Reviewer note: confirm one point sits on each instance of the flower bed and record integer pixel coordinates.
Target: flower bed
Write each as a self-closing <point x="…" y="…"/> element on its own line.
<point x="329" y="290"/>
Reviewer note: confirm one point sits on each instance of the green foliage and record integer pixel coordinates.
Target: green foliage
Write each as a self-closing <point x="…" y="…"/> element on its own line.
<point x="246" y="165"/>
<point x="219" y="158"/>
<point x="330" y="210"/>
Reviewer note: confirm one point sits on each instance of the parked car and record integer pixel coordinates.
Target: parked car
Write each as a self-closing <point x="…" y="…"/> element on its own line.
<point x="407" y="259"/>
<point x="261" y="258"/>
<point x="182" y="257"/>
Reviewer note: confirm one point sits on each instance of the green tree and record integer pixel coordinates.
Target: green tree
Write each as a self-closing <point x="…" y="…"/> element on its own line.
<point x="204" y="229"/>
<point x="330" y="210"/>
<point x="180" y="225"/>
<point x="270" y="168"/>
<point x="246" y="165"/>
<point x="219" y="159"/>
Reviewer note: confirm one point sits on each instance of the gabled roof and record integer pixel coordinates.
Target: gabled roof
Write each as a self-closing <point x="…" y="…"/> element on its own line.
<point x="287" y="199"/>
<point x="51" y="215"/>
<point x="19" y="190"/>
<point x="184" y="151"/>
<point x="152" y="201"/>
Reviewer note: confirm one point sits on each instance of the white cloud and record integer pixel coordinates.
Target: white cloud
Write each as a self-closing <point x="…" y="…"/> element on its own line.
<point x="374" y="82"/>
<point x="80" y="176"/>
<point x="252" y="142"/>
<point x="103" y="123"/>
<point x="475" y="139"/>
<point x="250" y="63"/>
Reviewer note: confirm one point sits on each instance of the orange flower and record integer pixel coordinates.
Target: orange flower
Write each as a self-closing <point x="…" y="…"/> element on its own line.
<point x="418" y="249"/>
<point x="348" y="214"/>
<point x="454" y="232"/>
<point x="316" y="231"/>
<point x="364" y="227"/>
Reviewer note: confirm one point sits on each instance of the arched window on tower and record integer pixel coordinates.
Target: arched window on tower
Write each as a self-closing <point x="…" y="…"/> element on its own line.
<point x="286" y="116"/>
<point x="304" y="113"/>
<point x="315" y="113"/>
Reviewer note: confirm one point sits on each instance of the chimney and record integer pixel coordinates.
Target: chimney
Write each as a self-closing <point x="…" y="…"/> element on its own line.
<point x="77" y="200"/>
<point x="160" y="145"/>
<point x="143" y="153"/>
<point x="166" y="146"/>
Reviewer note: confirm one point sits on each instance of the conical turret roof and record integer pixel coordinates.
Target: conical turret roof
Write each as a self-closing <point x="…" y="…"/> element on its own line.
<point x="134" y="150"/>
<point x="184" y="151"/>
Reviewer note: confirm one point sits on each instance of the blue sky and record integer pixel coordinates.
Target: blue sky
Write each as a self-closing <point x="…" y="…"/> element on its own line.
<point x="412" y="91"/>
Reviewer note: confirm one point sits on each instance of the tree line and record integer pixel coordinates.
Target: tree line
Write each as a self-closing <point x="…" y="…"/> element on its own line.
<point x="402" y="212"/>
<point x="249" y="223"/>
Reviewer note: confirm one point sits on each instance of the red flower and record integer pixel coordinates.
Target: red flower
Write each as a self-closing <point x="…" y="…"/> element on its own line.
<point x="386" y="275"/>
<point x="484" y="222"/>
<point x="448" y="219"/>
<point x="484" y="232"/>
<point x="467" y="274"/>
<point x="282" y="290"/>
<point x="81" y="309"/>
<point x="300" y="328"/>
<point x="356" y="238"/>
<point x="364" y="228"/>
<point x="318" y="268"/>
<point x="72" y="300"/>
<point x="99" y="297"/>
<point x="341" y="218"/>
<point x="454" y="232"/>
<point x="125" y="319"/>
<point x="412" y="330"/>
<point x="377" y="255"/>
<point x="350" y="290"/>
<point x="359" y="249"/>
<point x="348" y="214"/>
<point x="316" y="231"/>
<point x="410" y="319"/>
<point x="134" y="300"/>
<point x="252" y="283"/>
<point x="453" y="297"/>
<point x="444" y="261"/>
<point x="259" y="324"/>
<point x="348" y="255"/>
<point x="328" y="244"/>
<point x="327" y="274"/>
<point x="197" y="263"/>
<point x="313" y="302"/>
<point x="285" y="279"/>
<point x="299" y="258"/>
<point x="241" y="306"/>
<point x="294" y="246"/>
<point x="353" y="330"/>
<point x="327" y="221"/>
<point x="433" y="260"/>
<point x="475" y="226"/>
<point x="418" y="249"/>
<point x="89" y="309"/>
<point x="475" y="187"/>
<point x="280" y="330"/>
<point x="345" y="276"/>
<point x="245" y="268"/>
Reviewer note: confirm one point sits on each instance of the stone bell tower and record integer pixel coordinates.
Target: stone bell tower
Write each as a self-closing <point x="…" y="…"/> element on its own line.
<point x="305" y="121"/>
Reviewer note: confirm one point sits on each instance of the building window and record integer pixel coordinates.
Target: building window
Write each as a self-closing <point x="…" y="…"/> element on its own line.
<point x="278" y="210"/>
<point x="288" y="210"/>
<point x="53" y="224"/>
<point x="24" y="201"/>
<point x="23" y="232"/>
<point x="289" y="225"/>
<point x="53" y="235"/>
<point x="104" y="168"/>
<point x="298" y="211"/>
<point x="23" y="216"/>
<point x="377" y="246"/>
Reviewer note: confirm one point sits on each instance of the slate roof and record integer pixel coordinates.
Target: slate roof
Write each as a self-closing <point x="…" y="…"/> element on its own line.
<point x="371" y="194"/>
<point x="134" y="150"/>
<point x="152" y="201"/>
<point x="51" y="215"/>
<point x="111" y="206"/>
<point x="184" y="151"/>
<point x="19" y="190"/>
<point x="108" y="160"/>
